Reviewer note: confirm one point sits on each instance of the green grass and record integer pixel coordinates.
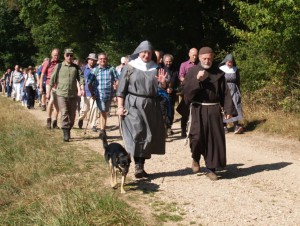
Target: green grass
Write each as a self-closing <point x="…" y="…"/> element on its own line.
<point x="44" y="181"/>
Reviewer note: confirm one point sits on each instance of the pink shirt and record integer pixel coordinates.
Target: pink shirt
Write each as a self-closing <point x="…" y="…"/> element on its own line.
<point x="47" y="70"/>
<point x="184" y="67"/>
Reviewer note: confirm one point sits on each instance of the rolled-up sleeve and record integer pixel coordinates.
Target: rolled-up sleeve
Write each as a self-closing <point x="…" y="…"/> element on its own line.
<point x="123" y="83"/>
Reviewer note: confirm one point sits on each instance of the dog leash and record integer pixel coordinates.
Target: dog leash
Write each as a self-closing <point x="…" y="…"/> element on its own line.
<point x="120" y="126"/>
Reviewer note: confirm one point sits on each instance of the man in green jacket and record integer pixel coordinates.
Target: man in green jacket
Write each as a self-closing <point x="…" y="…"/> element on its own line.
<point x="65" y="77"/>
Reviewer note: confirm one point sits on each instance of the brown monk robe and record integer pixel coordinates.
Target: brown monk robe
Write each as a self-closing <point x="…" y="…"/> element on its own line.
<point x="206" y="90"/>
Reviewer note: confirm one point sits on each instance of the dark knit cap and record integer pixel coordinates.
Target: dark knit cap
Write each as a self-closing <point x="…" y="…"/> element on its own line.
<point x="205" y="50"/>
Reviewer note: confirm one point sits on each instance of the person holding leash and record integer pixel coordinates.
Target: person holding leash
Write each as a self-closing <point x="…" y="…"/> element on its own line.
<point x="139" y="107"/>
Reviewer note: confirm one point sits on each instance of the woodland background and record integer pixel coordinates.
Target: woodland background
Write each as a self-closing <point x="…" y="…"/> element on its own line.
<point x="263" y="35"/>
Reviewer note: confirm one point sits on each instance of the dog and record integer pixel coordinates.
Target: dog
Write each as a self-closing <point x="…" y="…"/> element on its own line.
<point x="118" y="159"/>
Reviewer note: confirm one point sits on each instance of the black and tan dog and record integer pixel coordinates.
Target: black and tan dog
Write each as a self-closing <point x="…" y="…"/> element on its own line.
<point x="118" y="159"/>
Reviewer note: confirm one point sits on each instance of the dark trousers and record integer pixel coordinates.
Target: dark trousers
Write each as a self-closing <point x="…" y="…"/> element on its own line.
<point x="30" y="96"/>
<point x="8" y="90"/>
<point x="67" y="107"/>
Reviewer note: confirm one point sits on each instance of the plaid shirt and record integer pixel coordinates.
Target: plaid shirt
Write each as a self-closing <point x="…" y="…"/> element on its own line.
<point x="102" y="80"/>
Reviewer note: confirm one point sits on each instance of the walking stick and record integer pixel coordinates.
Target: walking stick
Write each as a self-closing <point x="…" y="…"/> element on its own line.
<point x="89" y="116"/>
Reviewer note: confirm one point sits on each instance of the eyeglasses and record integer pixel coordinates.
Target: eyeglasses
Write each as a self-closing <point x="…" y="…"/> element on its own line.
<point x="69" y="55"/>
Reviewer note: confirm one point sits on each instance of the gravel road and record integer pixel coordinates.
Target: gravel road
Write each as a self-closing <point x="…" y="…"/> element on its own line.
<point x="259" y="186"/>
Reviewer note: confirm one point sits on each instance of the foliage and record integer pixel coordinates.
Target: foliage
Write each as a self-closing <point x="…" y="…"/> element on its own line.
<point x="16" y="44"/>
<point x="267" y="42"/>
<point x="117" y="27"/>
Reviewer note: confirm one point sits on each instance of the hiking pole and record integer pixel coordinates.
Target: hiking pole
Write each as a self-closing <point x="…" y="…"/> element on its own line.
<point x="89" y="116"/>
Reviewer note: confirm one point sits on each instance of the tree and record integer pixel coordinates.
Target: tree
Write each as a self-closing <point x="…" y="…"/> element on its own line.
<point x="16" y="44"/>
<point x="266" y="48"/>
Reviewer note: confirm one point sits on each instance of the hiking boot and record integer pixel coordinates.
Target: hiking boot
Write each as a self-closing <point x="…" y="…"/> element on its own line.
<point x="139" y="171"/>
<point x="43" y="108"/>
<point x="66" y="135"/>
<point x="211" y="175"/>
<point x="80" y="124"/>
<point x="48" y="123"/>
<point x="54" y="124"/>
<point x="226" y="129"/>
<point x="238" y="130"/>
<point x="94" y="129"/>
<point x="195" y="167"/>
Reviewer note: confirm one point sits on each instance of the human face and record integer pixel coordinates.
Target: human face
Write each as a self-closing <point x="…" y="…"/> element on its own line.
<point x="55" y="55"/>
<point x="91" y="62"/>
<point x="69" y="57"/>
<point x="145" y="56"/>
<point x="193" y="55"/>
<point x="168" y="62"/>
<point x="229" y="63"/>
<point x="17" y="68"/>
<point x="206" y="60"/>
<point x="102" y="61"/>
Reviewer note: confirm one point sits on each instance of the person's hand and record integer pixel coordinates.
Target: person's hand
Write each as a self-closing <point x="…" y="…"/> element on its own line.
<point x="41" y="88"/>
<point x="169" y="90"/>
<point x="200" y="75"/>
<point x="228" y="116"/>
<point x="161" y="75"/>
<point x="82" y="93"/>
<point x="48" y="95"/>
<point x="121" y="111"/>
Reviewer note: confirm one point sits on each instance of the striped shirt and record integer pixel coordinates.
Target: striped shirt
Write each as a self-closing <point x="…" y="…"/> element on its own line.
<point x="102" y="80"/>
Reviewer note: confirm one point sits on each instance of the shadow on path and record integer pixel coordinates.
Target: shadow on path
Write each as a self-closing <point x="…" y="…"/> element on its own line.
<point x="233" y="171"/>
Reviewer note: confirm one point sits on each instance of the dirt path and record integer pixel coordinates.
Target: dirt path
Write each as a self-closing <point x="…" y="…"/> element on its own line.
<point x="260" y="185"/>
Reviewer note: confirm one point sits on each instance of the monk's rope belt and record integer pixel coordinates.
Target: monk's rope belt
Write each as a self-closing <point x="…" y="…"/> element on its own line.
<point x="141" y="95"/>
<point x="190" y="116"/>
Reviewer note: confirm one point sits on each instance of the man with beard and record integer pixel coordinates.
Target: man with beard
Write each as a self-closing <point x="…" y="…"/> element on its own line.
<point x="172" y="85"/>
<point x="205" y="89"/>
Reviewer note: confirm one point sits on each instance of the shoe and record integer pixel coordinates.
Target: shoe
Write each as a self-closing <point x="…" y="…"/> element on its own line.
<point x="43" y="107"/>
<point x="226" y="129"/>
<point x="183" y="134"/>
<point x="211" y="175"/>
<point x="195" y="166"/>
<point x="48" y="123"/>
<point x="94" y="129"/>
<point x="80" y="124"/>
<point x="139" y="171"/>
<point x="238" y="130"/>
<point x="54" y="124"/>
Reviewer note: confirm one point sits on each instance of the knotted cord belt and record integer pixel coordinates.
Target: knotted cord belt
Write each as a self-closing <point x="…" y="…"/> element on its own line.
<point x="190" y="117"/>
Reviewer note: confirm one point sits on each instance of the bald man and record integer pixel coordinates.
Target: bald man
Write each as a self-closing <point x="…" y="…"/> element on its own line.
<point x="184" y="67"/>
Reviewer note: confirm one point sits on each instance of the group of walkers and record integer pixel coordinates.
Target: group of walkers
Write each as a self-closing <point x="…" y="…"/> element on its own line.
<point x="145" y="86"/>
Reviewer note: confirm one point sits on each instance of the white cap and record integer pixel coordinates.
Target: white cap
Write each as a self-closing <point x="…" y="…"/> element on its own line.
<point x="123" y="60"/>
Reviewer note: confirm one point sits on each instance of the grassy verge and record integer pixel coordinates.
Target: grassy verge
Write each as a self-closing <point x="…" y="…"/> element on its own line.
<point x="44" y="181"/>
<point x="260" y="118"/>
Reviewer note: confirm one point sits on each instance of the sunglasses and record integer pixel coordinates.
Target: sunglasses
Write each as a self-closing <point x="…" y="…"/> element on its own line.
<point x="69" y="55"/>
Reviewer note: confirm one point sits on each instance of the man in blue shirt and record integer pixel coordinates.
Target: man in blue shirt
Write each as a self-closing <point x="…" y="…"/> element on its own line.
<point x="100" y="84"/>
<point x="87" y="102"/>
